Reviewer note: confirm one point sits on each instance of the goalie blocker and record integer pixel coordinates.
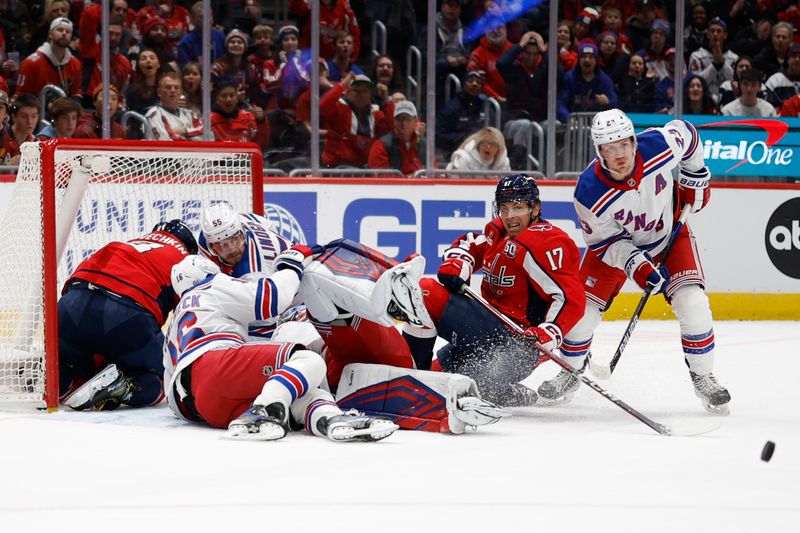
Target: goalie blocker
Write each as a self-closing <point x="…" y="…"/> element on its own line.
<point x="416" y="399"/>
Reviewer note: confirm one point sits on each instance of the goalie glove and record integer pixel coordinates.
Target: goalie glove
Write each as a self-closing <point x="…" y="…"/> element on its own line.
<point x="693" y="188"/>
<point x="455" y="269"/>
<point x="640" y="268"/>
<point x="296" y="258"/>
<point x="547" y="334"/>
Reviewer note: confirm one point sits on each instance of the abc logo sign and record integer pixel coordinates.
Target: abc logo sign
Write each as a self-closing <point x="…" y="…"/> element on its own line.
<point x="782" y="238"/>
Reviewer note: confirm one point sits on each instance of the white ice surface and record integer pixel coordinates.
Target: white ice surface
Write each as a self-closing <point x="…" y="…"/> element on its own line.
<point x="585" y="466"/>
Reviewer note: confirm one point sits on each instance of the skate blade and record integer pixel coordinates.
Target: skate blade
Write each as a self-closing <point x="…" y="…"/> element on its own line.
<point x="719" y="410"/>
<point x="375" y="432"/>
<point x="267" y="431"/>
<point x="85" y="392"/>
<point x="692" y="428"/>
<point x="547" y="402"/>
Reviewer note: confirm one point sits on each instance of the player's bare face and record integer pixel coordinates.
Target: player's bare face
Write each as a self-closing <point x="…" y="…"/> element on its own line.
<point x="230" y="250"/>
<point x="618" y="157"/>
<point x="516" y="216"/>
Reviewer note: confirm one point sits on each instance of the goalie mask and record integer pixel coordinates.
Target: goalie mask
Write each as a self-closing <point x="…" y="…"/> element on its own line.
<point x="180" y="231"/>
<point x="220" y="222"/>
<point x="191" y="271"/>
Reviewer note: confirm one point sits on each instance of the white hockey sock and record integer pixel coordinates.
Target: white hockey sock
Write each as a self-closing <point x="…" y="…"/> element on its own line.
<point x="577" y="342"/>
<point x="690" y="305"/>
<point x="312" y="407"/>
<point x="302" y="372"/>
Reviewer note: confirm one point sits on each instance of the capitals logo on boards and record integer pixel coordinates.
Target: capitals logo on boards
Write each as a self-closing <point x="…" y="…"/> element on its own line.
<point x="293" y="214"/>
<point x="748" y="152"/>
<point x="782" y="238"/>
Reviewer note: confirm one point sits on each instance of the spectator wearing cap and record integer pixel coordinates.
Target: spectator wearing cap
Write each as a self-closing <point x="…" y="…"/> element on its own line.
<point x="485" y="56"/>
<point x="230" y="122"/>
<point x="584" y="27"/>
<point x="784" y="84"/>
<point x="25" y="117"/>
<point x="232" y="66"/>
<point x="341" y="63"/>
<point x="154" y="37"/>
<point x="451" y="52"/>
<point x="90" y="123"/>
<point x="168" y="120"/>
<point x="462" y="115"/>
<point x="654" y="52"/>
<point x="121" y="69"/>
<point x="64" y="114"/>
<point x="190" y="48"/>
<point x="404" y="147"/>
<point x="52" y="64"/>
<point x="715" y="63"/>
<point x="334" y="15"/>
<point x="665" y="87"/>
<point x="483" y="150"/>
<point x="4" y="134"/>
<point x="586" y="87"/>
<point x="177" y="20"/>
<point x="285" y="77"/>
<point x="772" y="58"/>
<point x="353" y="121"/>
<point x="748" y="104"/>
<point x="524" y="69"/>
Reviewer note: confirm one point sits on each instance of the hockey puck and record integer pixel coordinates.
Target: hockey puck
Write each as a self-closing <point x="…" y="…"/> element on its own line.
<point x="769" y="449"/>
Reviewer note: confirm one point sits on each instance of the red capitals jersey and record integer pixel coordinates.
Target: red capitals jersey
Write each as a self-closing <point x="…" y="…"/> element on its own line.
<point x="37" y="70"/>
<point x="139" y="269"/>
<point x="532" y="278"/>
<point x="338" y="16"/>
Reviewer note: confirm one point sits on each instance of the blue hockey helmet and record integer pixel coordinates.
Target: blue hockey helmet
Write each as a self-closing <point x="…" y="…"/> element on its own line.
<point x="180" y="231"/>
<point x="516" y="188"/>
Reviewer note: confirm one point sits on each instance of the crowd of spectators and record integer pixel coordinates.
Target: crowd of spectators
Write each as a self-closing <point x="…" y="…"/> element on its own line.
<point x="741" y="58"/>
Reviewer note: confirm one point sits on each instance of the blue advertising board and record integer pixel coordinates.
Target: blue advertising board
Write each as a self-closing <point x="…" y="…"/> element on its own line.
<point x="741" y="146"/>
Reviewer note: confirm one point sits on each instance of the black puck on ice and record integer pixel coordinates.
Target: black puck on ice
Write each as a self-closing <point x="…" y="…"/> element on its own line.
<point x="766" y="453"/>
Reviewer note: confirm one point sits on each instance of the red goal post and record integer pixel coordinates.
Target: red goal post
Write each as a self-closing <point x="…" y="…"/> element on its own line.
<point x="73" y="196"/>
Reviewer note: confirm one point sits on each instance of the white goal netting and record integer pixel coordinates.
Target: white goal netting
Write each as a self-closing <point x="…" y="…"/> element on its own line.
<point x="102" y="194"/>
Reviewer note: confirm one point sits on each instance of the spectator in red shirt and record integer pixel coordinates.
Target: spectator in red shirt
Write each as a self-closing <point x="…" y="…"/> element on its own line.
<point x="90" y="124"/>
<point x="121" y="69"/>
<point x="485" y="56"/>
<point x="176" y="20"/>
<point x="259" y="52"/>
<point x="353" y="121"/>
<point x="230" y="122"/>
<point x="303" y="108"/>
<point x="334" y="15"/>
<point x="52" y="63"/>
<point x="4" y="135"/>
<point x="565" y="39"/>
<point x="63" y="117"/>
<point x="25" y="114"/>
<point x="403" y="148"/>
<point x="89" y="38"/>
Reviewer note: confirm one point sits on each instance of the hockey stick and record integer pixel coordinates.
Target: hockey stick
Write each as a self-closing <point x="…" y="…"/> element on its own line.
<point x="661" y="429"/>
<point x="605" y="371"/>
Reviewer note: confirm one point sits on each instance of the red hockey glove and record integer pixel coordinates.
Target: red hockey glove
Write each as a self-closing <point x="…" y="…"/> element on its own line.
<point x="694" y="189"/>
<point x="547" y="334"/>
<point x="640" y="268"/>
<point x="456" y="269"/>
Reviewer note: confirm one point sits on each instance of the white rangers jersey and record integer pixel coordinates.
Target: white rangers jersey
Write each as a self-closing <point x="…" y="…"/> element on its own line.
<point x="168" y="126"/>
<point x="213" y="315"/>
<point x="619" y="217"/>
<point x="262" y="245"/>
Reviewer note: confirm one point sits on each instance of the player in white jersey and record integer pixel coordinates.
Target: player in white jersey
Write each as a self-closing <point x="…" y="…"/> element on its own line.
<point x="627" y="201"/>
<point x="254" y="389"/>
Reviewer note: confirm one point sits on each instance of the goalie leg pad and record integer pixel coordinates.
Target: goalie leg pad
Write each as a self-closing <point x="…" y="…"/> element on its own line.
<point x="415" y="399"/>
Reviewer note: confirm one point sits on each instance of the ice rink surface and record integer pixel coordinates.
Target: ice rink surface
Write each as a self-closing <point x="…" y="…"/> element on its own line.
<point x="584" y="466"/>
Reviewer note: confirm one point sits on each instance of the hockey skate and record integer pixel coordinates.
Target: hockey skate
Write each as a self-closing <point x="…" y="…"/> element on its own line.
<point x="512" y="395"/>
<point x="356" y="426"/>
<point x="714" y="396"/>
<point x="560" y="389"/>
<point x="406" y="303"/>
<point x="104" y="392"/>
<point x="260" y="423"/>
<point x="474" y="411"/>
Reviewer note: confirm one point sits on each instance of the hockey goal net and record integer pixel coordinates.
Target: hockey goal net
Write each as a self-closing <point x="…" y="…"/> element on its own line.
<point x="70" y="198"/>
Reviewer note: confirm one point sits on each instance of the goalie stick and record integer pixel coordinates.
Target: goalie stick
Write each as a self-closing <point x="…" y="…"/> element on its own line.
<point x="605" y="371"/>
<point x="688" y="429"/>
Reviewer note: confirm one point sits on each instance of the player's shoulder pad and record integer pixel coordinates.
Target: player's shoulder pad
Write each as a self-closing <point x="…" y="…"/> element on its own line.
<point x="651" y="143"/>
<point x="590" y="188"/>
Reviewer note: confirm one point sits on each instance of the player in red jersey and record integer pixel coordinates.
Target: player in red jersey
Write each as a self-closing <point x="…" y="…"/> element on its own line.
<point x="530" y="273"/>
<point x="113" y="306"/>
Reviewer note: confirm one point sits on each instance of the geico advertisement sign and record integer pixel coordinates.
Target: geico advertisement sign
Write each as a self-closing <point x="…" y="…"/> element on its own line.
<point x="399" y="221"/>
